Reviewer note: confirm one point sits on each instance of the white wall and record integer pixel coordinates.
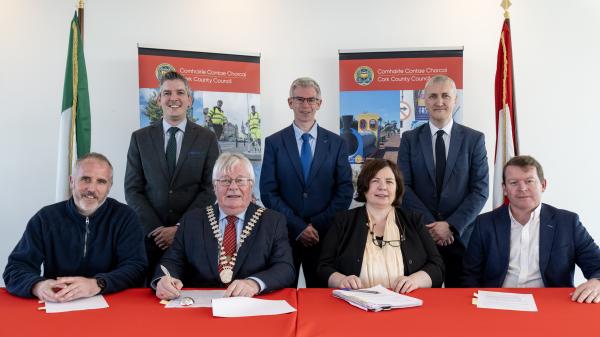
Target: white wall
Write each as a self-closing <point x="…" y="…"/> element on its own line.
<point x="555" y="45"/>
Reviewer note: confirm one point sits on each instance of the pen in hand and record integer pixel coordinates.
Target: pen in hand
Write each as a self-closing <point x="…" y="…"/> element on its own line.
<point x="169" y="278"/>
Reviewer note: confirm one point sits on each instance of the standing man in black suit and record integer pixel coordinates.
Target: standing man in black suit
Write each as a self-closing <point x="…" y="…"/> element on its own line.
<point x="169" y="166"/>
<point x="445" y="175"/>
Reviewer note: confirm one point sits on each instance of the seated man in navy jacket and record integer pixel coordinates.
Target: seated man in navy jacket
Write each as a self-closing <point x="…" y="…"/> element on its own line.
<point x="234" y="243"/>
<point x="89" y="244"/>
<point x="528" y="244"/>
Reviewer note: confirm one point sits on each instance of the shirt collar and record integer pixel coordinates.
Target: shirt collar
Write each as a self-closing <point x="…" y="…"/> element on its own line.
<point x="298" y="132"/>
<point x="240" y="216"/>
<point x="181" y="126"/>
<point x="535" y="214"/>
<point x="447" y="128"/>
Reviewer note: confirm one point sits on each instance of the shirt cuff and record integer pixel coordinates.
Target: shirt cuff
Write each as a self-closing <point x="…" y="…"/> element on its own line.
<point x="261" y="284"/>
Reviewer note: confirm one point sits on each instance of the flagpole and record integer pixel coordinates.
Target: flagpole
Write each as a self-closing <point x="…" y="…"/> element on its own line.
<point x="505" y="5"/>
<point x="80" y="15"/>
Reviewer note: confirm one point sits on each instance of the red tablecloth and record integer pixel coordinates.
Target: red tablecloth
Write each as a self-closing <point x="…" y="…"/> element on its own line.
<point x="136" y="312"/>
<point x="447" y="312"/>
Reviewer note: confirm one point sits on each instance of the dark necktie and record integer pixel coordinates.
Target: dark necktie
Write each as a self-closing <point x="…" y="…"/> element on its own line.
<point x="229" y="238"/>
<point x="171" y="152"/>
<point x="305" y="155"/>
<point x="440" y="161"/>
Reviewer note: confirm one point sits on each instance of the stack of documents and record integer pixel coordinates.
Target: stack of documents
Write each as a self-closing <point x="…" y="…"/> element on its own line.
<point x="504" y="301"/>
<point x="376" y="298"/>
<point x="94" y="302"/>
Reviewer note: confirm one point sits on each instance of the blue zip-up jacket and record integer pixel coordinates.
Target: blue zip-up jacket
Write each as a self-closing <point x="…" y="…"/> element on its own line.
<point x="108" y="244"/>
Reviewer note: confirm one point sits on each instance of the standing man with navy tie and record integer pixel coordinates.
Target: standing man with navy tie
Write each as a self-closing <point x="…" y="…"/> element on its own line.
<point x="306" y="176"/>
<point x="161" y="188"/>
<point x="445" y="174"/>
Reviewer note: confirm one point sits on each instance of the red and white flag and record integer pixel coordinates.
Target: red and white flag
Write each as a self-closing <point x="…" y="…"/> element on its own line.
<point x="507" y="144"/>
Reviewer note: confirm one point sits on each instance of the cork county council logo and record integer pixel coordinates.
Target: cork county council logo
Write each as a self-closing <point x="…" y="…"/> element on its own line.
<point x="363" y="75"/>
<point x="162" y="69"/>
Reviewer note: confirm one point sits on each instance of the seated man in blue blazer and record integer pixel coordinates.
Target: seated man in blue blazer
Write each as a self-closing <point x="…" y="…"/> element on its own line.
<point x="527" y="244"/>
<point x="306" y="176"/>
<point x="233" y="244"/>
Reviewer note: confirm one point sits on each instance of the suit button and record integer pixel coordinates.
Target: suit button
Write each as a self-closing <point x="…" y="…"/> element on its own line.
<point x="170" y="191"/>
<point x="305" y="195"/>
<point x="357" y="260"/>
<point x="409" y="261"/>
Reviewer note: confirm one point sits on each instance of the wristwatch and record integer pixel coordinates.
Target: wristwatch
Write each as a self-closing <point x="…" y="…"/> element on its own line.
<point x="101" y="284"/>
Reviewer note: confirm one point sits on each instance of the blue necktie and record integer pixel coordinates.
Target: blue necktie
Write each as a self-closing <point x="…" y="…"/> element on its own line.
<point x="440" y="161"/>
<point x="305" y="155"/>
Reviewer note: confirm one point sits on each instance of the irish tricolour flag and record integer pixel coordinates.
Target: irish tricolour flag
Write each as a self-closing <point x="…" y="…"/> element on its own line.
<point x="75" y="124"/>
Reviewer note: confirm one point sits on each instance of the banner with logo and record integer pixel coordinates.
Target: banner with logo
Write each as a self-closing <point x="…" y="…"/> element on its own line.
<point x="225" y="90"/>
<point x="381" y="96"/>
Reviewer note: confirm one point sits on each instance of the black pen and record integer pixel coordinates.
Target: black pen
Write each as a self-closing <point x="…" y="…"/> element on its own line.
<point x="361" y="291"/>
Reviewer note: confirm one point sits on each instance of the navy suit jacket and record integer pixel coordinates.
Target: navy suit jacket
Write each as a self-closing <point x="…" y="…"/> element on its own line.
<point x="564" y="242"/>
<point x="465" y="189"/>
<point x="265" y="254"/>
<point x="328" y="189"/>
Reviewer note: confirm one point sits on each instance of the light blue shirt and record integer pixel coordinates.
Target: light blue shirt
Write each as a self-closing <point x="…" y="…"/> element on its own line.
<point x="239" y="226"/>
<point x="313" y="137"/>
<point x="178" y="135"/>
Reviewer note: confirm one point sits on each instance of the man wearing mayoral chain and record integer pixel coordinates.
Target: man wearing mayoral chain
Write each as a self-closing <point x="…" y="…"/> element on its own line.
<point x="234" y="244"/>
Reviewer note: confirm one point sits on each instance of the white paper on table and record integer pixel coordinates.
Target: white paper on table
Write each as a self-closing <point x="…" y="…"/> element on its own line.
<point x="202" y="298"/>
<point x="94" y="302"/>
<point x="505" y="301"/>
<point x="246" y="306"/>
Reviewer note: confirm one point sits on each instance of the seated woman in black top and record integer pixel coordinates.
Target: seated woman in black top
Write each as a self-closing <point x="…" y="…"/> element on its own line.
<point x="380" y="242"/>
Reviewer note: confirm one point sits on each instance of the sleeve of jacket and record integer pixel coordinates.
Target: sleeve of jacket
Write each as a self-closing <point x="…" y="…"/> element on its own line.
<point x="23" y="268"/>
<point x="410" y="199"/>
<point x="344" y="190"/>
<point x="330" y="249"/>
<point x="587" y="253"/>
<point x="279" y="273"/>
<point x="474" y="259"/>
<point x="206" y="194"/>
<point x="466" y="213"/>
<point x="135" y="193"/>
<point x="434" y="267"/>
<point x="175" y="258"/>
<point x="270" y="193"/>
<point x="129" y="255"/>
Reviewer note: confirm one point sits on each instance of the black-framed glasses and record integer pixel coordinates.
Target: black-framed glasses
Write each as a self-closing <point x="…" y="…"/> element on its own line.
<point x="309" y="100"/>
<point x="381" y="242"/>
<point x="226" y="182"/>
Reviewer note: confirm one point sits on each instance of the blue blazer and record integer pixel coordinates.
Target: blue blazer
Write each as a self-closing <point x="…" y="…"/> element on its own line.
<point x="465" y="189"/>
<point x="328" y="189"/>
<point x="265" y="254"/>
<point x="564" y="242"/>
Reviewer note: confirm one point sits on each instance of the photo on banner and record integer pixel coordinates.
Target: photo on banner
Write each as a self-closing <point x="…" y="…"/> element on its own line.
<point x="226" y="96"/>
<point x="381" y="97"/>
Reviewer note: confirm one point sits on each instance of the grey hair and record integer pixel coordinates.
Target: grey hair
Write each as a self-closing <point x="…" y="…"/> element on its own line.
<point x="227" y="161"/>
<point x="442" y="79"/>
<point x="93" y="156"/>
<point x="305" y="82"/>
<point x="173" y="75"/>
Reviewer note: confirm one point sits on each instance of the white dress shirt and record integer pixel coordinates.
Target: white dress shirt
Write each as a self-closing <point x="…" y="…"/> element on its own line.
<point x="446" y="137"/>
<point x="312" y="141"/>
<point x="524" y="262"/>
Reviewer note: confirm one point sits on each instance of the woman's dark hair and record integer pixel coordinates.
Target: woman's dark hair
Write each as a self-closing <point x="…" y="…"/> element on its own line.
<point x="370" y="170"/>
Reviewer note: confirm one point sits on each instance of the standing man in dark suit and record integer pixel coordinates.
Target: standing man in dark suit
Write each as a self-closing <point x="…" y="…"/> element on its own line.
<point x="445" y="174"/>
<point x="169" y="167"/>
<point x="528" y="244"/>
<point x="233" y="244"/>
<point x="306" y="176"/>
